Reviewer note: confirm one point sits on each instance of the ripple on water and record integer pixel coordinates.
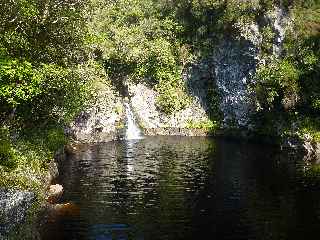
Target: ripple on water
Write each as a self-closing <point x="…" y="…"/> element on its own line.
<point x="186" y="188"/>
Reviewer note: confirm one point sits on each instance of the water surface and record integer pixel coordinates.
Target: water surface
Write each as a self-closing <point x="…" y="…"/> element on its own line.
<point x="183" y="188"/>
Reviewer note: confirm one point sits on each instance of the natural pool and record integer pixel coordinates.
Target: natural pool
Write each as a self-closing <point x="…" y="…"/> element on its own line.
<point x="183" y="188"/>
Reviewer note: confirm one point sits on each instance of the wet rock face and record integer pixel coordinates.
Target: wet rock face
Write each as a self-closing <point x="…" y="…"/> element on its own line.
<point x="312" y="150"/>
<point x="306" y="145"/>
<point x="98" y="122"/>
<point x="228" y="71"/>
<point x="235" y="62"/>
<point x="280" y="21"/>
<point x="317" y="152"/>
<point x="234" y="65"/>
<point x="13" y="208"/>
<point x="199" y="78"/>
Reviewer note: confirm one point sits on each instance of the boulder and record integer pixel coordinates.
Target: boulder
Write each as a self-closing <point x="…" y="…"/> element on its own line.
<point x="54" y="193"/>
<point x="13" y="208"/>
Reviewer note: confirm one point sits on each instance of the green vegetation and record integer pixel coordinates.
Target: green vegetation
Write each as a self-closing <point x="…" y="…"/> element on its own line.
<point x="41" y="50"/>
<point x="25" y="160"/>
<point x="53" y="53"/>
<point x="138" y="40"/>
<point x="207" y="125"/>
<point x="288" y="87"/>
<point x="152" y="41"/>
<point x="311" y="127"/>
<point x="277" y="80"/>
<point x="42" y="86"/>
<point x="172" y="94"/>
<point x="7" y="153"/>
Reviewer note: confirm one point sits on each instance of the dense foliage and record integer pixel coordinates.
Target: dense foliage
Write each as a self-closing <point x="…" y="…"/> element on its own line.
<point x="42" y="86"/>
<point x="51" y="51"/>
<point x="153" y="41"/>
<point x="288" y="86"/>
<point x="41" y="46"/>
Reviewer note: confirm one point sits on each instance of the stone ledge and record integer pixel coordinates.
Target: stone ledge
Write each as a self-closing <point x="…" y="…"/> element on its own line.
<point x="177" y="132"/>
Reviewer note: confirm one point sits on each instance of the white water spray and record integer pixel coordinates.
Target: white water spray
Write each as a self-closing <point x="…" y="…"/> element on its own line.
<point x="132" y="130"/>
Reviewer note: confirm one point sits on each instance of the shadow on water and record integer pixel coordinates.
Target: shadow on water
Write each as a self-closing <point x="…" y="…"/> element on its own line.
<point x="186" y="188"/>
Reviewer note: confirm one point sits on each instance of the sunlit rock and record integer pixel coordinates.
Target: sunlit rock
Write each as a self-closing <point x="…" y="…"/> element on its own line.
<point x="13" y="208"/>
<point x="54" y="193"/>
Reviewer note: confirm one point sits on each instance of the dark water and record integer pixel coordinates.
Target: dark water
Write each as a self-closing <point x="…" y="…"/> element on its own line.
<point x="186" y="188"/>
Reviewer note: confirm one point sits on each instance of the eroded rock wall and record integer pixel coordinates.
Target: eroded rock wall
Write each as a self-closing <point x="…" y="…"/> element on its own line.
<point x="143" y="102"/>
<point x="234" y="65"/>
<point x="100" y="121"/>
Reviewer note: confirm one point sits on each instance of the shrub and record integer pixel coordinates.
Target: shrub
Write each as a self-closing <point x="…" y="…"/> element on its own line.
<point x="276" y="81"/>
<point x="172" y="94"/>
<point x="207" y="125"/>
<point x="19" y="82"/>
<point x="310" y="126"/>
<point x="7" y="154"/>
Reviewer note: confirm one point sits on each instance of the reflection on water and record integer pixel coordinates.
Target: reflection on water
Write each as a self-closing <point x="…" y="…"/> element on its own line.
<point x="186" y="188"/>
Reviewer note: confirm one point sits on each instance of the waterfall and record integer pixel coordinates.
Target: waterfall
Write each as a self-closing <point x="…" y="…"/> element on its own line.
<point x="132" y="130"/>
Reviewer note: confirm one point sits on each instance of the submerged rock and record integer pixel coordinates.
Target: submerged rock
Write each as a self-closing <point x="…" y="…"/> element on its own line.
<point x="65" y="209"/>
<point x="13" y="208"/>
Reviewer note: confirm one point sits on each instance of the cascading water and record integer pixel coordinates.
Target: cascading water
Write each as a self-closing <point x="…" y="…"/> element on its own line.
<point x="132" y="130"/>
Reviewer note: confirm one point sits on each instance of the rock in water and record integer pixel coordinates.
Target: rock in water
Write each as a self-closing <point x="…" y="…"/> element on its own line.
<point x="55" y="192"/>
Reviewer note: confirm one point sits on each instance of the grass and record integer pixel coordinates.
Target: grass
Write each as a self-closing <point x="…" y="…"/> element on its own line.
<point x="24" y="165"/>
<point x="29" y="156"/>
<point x="311" y="127"/>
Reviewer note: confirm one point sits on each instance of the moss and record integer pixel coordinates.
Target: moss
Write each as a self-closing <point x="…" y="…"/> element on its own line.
<point x="120" y="125"/>
<point x="268" y="36"/>
<point x="206" y="125"/>
<point x="214" y="100"/>
<point x="171" y="100"/>
<point x="7" y="153"/>
<point x="141" y="124"/>
<point x="310" y="126"/>
<point x="118" y="109"/>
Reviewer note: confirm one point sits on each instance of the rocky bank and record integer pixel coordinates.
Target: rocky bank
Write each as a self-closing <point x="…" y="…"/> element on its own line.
<point x="13" y="209"/>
